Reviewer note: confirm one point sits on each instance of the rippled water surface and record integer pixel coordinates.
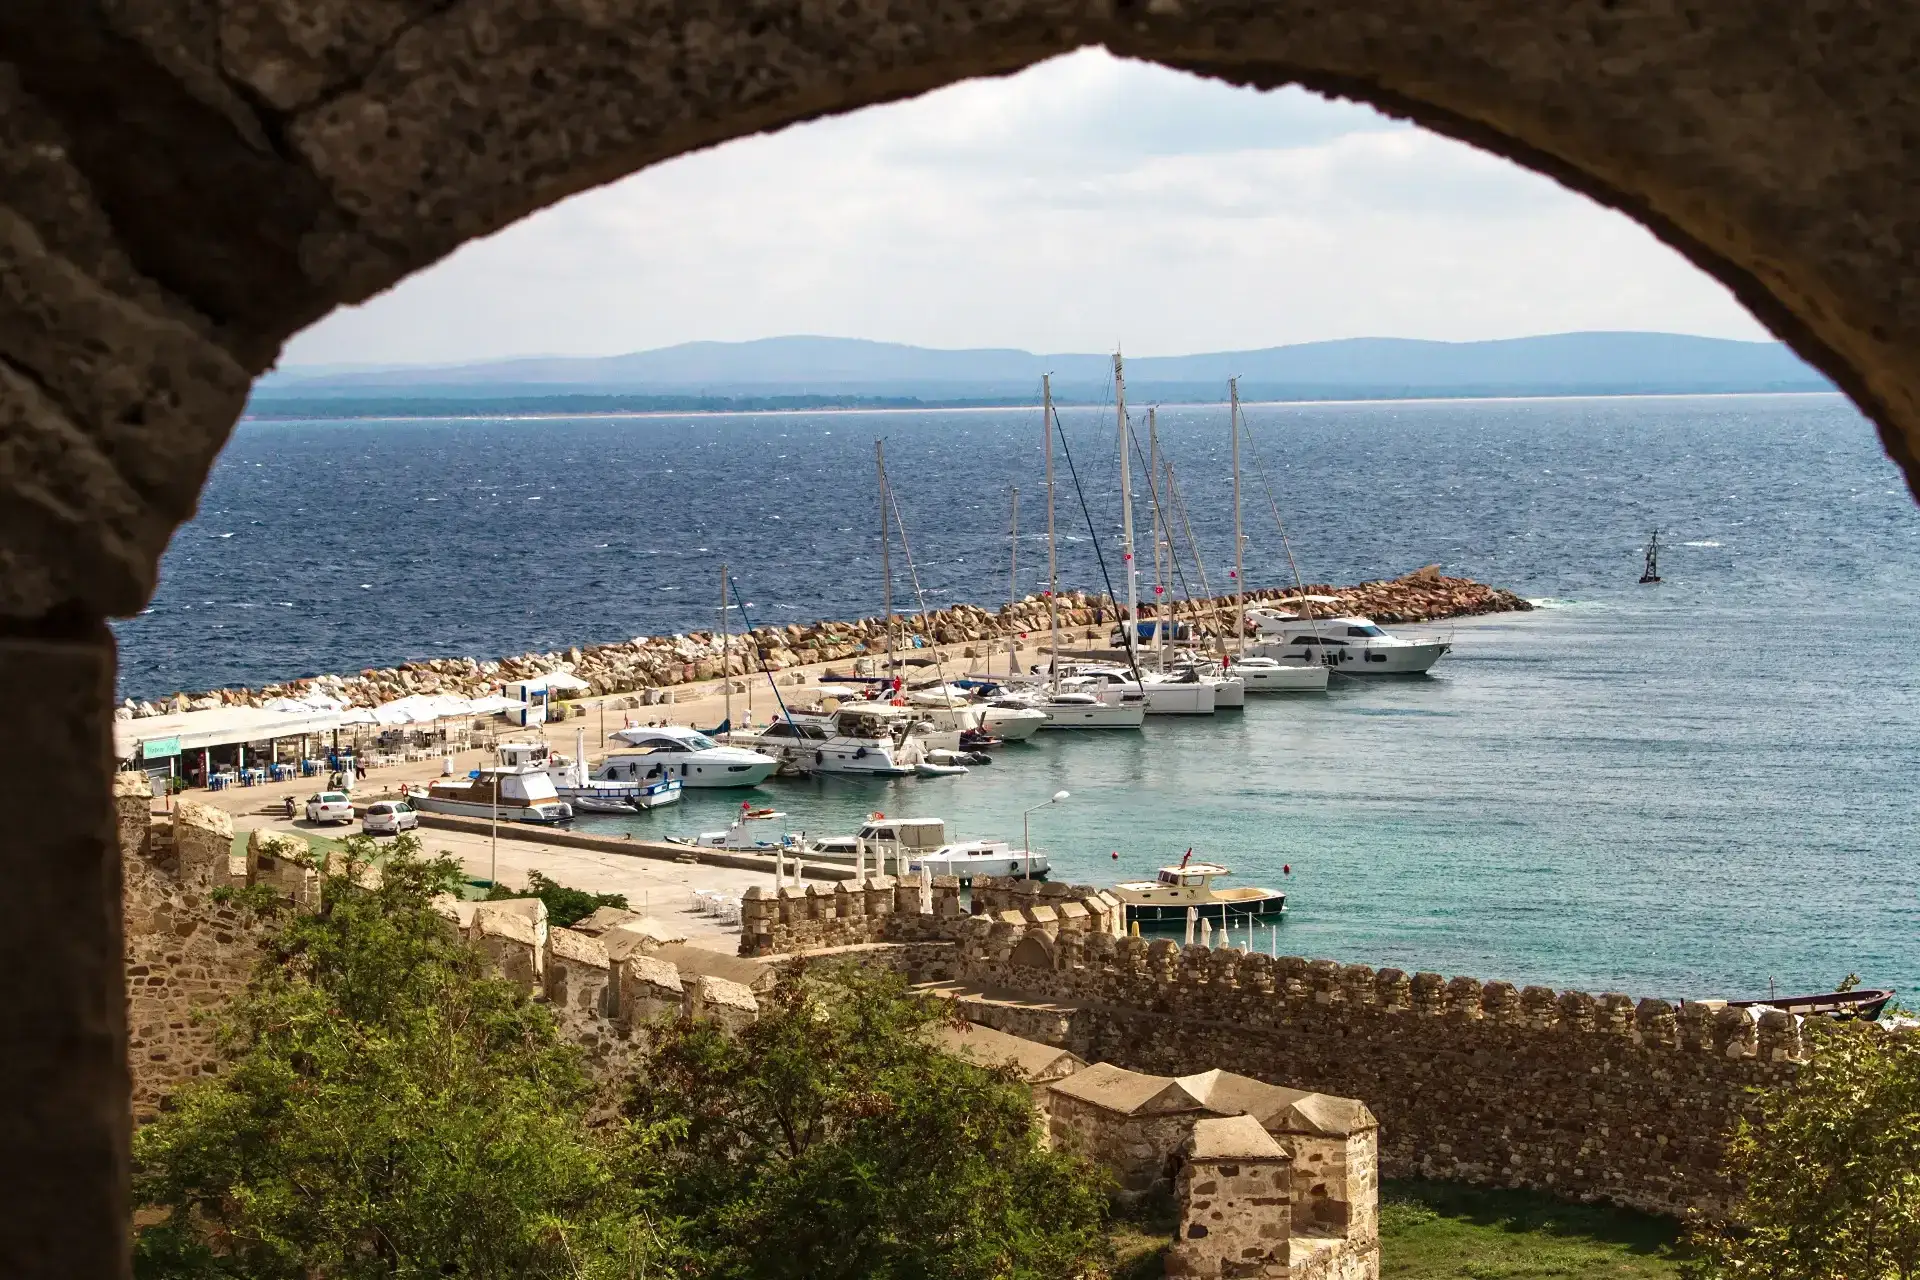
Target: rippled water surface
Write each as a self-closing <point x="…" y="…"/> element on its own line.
<point x="1686" y="789"/>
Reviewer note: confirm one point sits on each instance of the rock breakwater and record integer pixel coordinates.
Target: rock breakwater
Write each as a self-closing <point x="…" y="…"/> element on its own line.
<point x="652" y="662"/>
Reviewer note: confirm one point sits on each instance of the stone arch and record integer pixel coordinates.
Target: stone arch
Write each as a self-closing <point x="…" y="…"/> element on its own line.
<point x="185" y="192"/>
<point x="187" y="185"/>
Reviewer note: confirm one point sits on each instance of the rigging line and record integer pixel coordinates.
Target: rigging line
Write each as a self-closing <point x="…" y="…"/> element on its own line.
<point x="1273" y="505"/>
<point x="1093" y="537"/>
<point x="748" y="623"/>
<point x="913" y="573"/>
<point x="1153" y="498"/>
<point x="1193" y="548"/>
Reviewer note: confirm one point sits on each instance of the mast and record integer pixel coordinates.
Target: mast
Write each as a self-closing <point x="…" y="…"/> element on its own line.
<point x="1160" y="601"/>
<point x="726" y="649"/>
<point x="1132" y="621"/>
<point x="1053" y="554"/>
<point x="1239" y="540"/>
<point x="1013" y="587"/>
<point x="886" y="563"/>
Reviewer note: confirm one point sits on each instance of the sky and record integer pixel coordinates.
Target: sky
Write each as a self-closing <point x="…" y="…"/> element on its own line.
<point x="1083" y="203"/>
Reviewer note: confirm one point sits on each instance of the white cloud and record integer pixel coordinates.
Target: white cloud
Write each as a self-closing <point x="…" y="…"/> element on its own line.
<point x="1082" y="202"/>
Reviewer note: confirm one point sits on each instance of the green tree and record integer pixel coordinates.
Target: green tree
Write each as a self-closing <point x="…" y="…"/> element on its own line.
<point x="565" y="906"/>
<point x="388" y="1109"/>
<point x="1830" y="1170"/>
<point x="831" y="1138"/>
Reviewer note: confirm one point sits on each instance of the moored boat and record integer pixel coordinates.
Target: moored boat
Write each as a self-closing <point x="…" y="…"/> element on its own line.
<point x="1349" y="646"/>
<point x="521" y="793"/>
<point x="1165" y="899"/>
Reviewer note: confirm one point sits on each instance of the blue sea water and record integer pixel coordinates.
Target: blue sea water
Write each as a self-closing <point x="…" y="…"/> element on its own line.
<point x="1688" y="789"/>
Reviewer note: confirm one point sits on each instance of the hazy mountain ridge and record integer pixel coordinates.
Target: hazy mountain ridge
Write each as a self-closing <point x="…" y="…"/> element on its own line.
<point x="1568" y="363"/>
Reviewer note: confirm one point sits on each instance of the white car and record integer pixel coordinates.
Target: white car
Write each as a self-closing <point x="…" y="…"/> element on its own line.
<point x="389" y="818"/>
<point x="329" y="806"/>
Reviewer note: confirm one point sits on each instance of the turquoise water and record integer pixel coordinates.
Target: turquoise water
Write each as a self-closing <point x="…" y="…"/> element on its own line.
<point x="1681" y="790"/>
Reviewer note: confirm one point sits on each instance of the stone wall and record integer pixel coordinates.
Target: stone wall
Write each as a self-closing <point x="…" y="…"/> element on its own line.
<point x="1587" y="1096"/>
<point x="185" y="953"/>
<point x="881" y="909"/>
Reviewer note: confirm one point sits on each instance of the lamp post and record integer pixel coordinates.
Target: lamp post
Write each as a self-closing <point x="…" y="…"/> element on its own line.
<point x="1026" y="840"/>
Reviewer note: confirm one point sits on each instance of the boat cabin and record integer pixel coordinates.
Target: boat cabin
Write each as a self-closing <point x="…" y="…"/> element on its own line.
<point x="913" y="835"/>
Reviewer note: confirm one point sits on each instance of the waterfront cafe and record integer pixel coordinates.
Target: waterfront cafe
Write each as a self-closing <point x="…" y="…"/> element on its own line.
<point x="226" y="746"/>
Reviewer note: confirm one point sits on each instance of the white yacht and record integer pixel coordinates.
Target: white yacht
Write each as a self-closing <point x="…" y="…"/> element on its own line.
<point x="695" y="759"/>
<point x="1351" y="646"/>
<point x="962" y="711"/>
<point x="868" y="739"/>
<point x="966" y="859"/>
<point x="1171" y="695"/>
<point x="508" y="793"/>
<point x="1075" y="708"/>
<point x="1266" y="675"/>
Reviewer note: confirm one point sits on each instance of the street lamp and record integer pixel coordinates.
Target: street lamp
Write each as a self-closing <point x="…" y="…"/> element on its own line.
<point x="1026" y="841"/>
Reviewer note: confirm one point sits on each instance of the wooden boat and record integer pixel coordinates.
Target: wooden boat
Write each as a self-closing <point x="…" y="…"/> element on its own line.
<point x="1164" y="900"/>
<point x="1863" y="1004"/>
<point x="521" y="793"/>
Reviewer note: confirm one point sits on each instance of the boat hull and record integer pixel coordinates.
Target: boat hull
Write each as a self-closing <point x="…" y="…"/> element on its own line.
<point x="1011" y="726"/>
<point x="1221" y="914"/>
<point x="1370" y="660"/>
<point x="1101" y="716"/>
<point x="1285" y="678"/>
<point x="482" y="809"/>
<point x="1180" y="699"/>
<point x="965" y="871"/>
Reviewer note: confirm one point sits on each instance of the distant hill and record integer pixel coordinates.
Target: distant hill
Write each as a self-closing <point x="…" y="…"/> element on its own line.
<point x="818" y="370"/>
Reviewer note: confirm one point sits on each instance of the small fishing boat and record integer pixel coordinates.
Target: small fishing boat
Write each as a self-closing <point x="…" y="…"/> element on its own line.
<point x="1862" y="1003"/>
<point x="597" y="796"/>
<point x="1165" y="899"/>
<point x="1651" y="573"/>
<point x="753" y="830"/>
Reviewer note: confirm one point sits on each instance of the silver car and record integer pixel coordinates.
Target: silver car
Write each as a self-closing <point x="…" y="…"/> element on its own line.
<point x="389" y="818"/>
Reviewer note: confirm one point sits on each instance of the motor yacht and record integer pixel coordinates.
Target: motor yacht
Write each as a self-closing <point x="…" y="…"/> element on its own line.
<point x="1007" y="723"/>
<point x="868" y="739"/>
<point x="506" y="793"/>
<point x="1190" y="694"/>
<point x="969" y="858"/>
<point x="1076" y="708"/>
<point x="1350" y="646"/>
<point x="1267" y="675"/>
<point x="1166" y="898"/>
<point x="696" y="759"/>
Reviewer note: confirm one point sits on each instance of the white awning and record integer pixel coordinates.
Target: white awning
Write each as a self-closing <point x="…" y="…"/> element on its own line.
<point x="217" y="727"/>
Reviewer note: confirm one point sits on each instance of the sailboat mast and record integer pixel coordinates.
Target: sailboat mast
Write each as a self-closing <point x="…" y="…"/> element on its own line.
<point x="1239" y="539"/>
<point x="1132" y="626"/>
<point x="726" y="648"/>
<point x="1053" y="554"/>
<point x="1013" y="585"/>
<point x="886" y="563"/>
<point x="1160" y="600"/>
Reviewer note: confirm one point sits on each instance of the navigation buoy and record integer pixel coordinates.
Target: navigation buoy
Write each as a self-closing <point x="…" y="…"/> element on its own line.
<point x="1115" y="855"/>
<point x="1286" y="869"/>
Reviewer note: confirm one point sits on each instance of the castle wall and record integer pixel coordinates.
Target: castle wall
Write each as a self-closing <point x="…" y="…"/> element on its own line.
<point x="1578" y="1094"/>
<point x="185" y="953"/>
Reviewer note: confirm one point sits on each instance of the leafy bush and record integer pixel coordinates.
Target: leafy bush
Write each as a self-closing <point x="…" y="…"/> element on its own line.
<point x="387" y="1109"/>
<point x="1830" y="1170"/>
<point x="831" y="1138"/>
<point x="564" y="906"/>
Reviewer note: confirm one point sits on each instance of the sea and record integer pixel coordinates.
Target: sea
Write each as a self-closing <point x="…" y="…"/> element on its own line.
<point x="1705" y="787"/>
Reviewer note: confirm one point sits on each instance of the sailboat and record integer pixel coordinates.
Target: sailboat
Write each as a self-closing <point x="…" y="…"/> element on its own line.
<point x="1652" y="571"/>
<point x="1070" y="708"/>
<point x="1260" y="674"/>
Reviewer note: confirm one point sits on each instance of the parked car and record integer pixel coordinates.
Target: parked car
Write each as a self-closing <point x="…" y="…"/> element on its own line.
<point x="329" y="806"/>
<point x="389" y="818"/>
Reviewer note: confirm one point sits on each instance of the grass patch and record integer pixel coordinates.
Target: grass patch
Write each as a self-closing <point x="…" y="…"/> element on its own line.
<point x="1449" y="1231"/>
<point x="1430" y="1230"/>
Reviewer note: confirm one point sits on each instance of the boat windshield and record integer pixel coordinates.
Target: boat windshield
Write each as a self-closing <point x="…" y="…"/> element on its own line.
<point x="701" y="742"/>
<point x="1368" y="630"/>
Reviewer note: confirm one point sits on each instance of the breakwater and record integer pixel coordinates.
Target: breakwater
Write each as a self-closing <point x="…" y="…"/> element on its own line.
<point x="650" y="662"/>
